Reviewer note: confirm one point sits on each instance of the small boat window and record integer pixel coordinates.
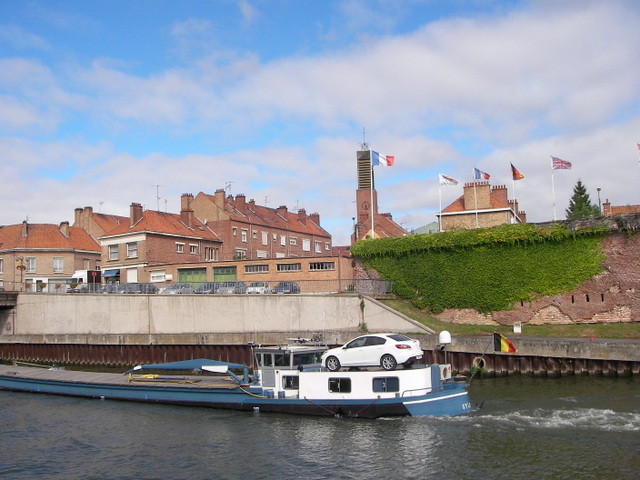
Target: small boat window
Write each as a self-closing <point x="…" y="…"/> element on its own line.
<point x="283" y="359"/>
<point x="290" y="382"/>
<point x="340" y="385"/>
<point x="386" y="384"/>
<point x="265" y="359"/>
<point x="307" y="358"/>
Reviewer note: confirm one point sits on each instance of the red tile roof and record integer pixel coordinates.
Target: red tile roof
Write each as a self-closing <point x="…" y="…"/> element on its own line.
<point x="249" y="212"/>
<point x="46" y="236"/>
<point x="108" y="222"/>
<point x="166" y="223"/>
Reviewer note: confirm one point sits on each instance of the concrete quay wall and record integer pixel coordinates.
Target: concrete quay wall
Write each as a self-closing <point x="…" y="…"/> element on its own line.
<point x="175" y="318"/>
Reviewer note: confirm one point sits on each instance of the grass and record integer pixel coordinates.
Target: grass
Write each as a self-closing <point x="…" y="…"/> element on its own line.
<point x="601" y="330"/>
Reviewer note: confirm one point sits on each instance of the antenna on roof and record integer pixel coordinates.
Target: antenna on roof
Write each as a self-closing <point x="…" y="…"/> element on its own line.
<point x="227" y="185"/>
<point x="100" y="206"/>
<point x="364" y="145"/>
<point x="158" y="197"/>
<point x="266" y="197"/>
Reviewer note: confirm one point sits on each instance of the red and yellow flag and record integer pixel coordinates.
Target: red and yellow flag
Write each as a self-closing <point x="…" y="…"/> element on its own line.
<point x="503" y="344"/>
<point x="515" y="173"/>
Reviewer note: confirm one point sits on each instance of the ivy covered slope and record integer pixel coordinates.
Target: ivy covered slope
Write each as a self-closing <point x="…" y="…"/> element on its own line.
<point x="487" y="269"/>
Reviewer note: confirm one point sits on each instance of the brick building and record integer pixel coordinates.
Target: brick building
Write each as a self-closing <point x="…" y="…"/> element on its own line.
<point x="481" y="206"/>
<point x="370" y="223"/>
<point x="253" y="231"/>
<point x="43" y="257"/>
<point x="131" y="246"/>
<point x="609" y="210"/>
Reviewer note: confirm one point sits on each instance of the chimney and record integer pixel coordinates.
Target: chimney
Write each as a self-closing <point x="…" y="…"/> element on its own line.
<point x="25" y="228"/>
<point x="476" y="192"/>
<point x="186" y="214"/>
<point x="135" y="214"/>
<point x="282" y="210"/>
<point x="241" y="203"/>
<point x="499" y="192"/>
<point x="606" y="208"/>
<point x="252" y="204"/>
<point x="315" y="218"/>
<point x="64" y="228"/>
<point x="302" y="216"/>
<point x="219" y="198"/>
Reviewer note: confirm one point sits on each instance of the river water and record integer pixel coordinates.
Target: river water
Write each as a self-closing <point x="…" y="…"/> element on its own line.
<point x="524" y="428"/>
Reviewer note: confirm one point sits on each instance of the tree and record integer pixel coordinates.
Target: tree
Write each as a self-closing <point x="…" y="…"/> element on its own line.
<point x="580" y="205"/>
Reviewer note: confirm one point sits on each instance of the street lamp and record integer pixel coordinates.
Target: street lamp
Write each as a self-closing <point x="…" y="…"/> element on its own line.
<point x="599" y="204"/>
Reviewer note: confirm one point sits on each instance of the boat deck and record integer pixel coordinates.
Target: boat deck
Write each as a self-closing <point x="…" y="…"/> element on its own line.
<point x="101" y="378"/>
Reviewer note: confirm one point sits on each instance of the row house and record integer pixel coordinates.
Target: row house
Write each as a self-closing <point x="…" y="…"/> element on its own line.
<point x="130" y="247"/>
<point x="43" y="257"/>
<point x="252" y="231"/>
<point x="480" y="206"/>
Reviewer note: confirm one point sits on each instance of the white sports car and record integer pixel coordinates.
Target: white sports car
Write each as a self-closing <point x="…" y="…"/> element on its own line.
<point x="384" y="349"/>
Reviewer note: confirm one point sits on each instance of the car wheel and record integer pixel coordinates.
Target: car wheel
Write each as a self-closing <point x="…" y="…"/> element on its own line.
<point x="387" y="362"/>
<point x="333" y="364"/>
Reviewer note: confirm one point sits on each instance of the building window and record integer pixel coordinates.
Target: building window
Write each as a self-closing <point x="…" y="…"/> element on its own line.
<point x="58" y="264"/>
<point x="240" y="253"/>
<point x="179" y="247"/>
<point x="318" y="266"/>
<point x="265" y="238"/>
<point x="243" y="235"/>
<point x="31" y="264"/>
<point x="289" y="267"/>
<point x="293" y="241"/>
<point x="280" y="255"/>
<point x="210" y="253"/>
<point x="283" y="240"/>
<point x="157" y="276"/>
<point x="261" y="254"/>
<point x="1" y="265"/>
<point x="340" y="385"/>
<point x="132" y="249"/>
<point x="193" y="249"/>
<point x="254" y="234"/>
<point x="306" y="245"/>
<point x="327" y="246"/>
<point x="86" y="265"/>
<point x="113" y="252"/>
<point x="234" y="231"/>
<point x="386" y="384"/>
<point x="256" y="269"/>
<point x="318" y="247"/>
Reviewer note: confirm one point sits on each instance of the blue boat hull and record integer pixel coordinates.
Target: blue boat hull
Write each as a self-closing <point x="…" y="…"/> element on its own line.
<point x="451" y="399"/>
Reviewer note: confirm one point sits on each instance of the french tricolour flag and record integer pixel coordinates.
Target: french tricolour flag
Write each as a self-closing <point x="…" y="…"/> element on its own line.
<point x="377" y="159"/>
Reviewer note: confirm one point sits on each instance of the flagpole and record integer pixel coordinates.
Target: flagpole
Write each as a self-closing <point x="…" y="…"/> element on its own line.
<point x="373" y="231"/>
<point x="439" y="205"/>
<point x="553" y="193"/>
<point x="475" y="197"/>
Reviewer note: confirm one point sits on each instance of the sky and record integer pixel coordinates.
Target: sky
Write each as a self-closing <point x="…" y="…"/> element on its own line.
<point x="106" y="103"/>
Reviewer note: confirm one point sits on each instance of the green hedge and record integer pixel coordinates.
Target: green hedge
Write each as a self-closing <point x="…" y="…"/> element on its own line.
<point x="486" y="269"/>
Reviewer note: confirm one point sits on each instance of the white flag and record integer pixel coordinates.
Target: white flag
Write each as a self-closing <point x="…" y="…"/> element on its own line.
<point x="447" y="181"/>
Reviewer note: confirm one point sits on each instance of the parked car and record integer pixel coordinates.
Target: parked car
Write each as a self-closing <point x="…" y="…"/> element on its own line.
<point x="287" y="287"/>
<point x="178" y="288"/>
<point x="227" y="288"/>
<point x="145" y="288"/>
<point x="208" y="287"/>
<point x="384" y="349"/>
<point x="258" y="287"/>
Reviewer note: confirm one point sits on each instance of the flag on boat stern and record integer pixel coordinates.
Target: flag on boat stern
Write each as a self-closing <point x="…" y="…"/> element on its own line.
<point x="480" y="175"/>
<point x="515" y="173"/>
<point x="377" y="159"/>
<point x="503" y="344"/>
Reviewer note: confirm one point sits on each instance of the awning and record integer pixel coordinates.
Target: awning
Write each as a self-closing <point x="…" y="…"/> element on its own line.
<point x="111" y="273"/>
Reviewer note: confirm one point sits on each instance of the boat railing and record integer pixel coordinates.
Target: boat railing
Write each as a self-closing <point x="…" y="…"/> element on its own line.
<point x="416" y="392"/>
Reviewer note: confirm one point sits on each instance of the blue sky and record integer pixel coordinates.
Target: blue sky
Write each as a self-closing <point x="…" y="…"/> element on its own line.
<point x="101" y="102"/>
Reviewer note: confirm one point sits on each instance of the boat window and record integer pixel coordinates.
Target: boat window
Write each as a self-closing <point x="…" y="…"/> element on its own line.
<point x="283" y="359"/>
<point x="290" y="382"/>
<point x="267" y="359"/>
<point x="340" y="385"/>
<point x="386" y="384"/>
<point x="307" y="358"/>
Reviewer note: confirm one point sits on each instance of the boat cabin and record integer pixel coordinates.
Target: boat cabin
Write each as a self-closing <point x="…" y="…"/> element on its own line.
<point x="271" y="360"/>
